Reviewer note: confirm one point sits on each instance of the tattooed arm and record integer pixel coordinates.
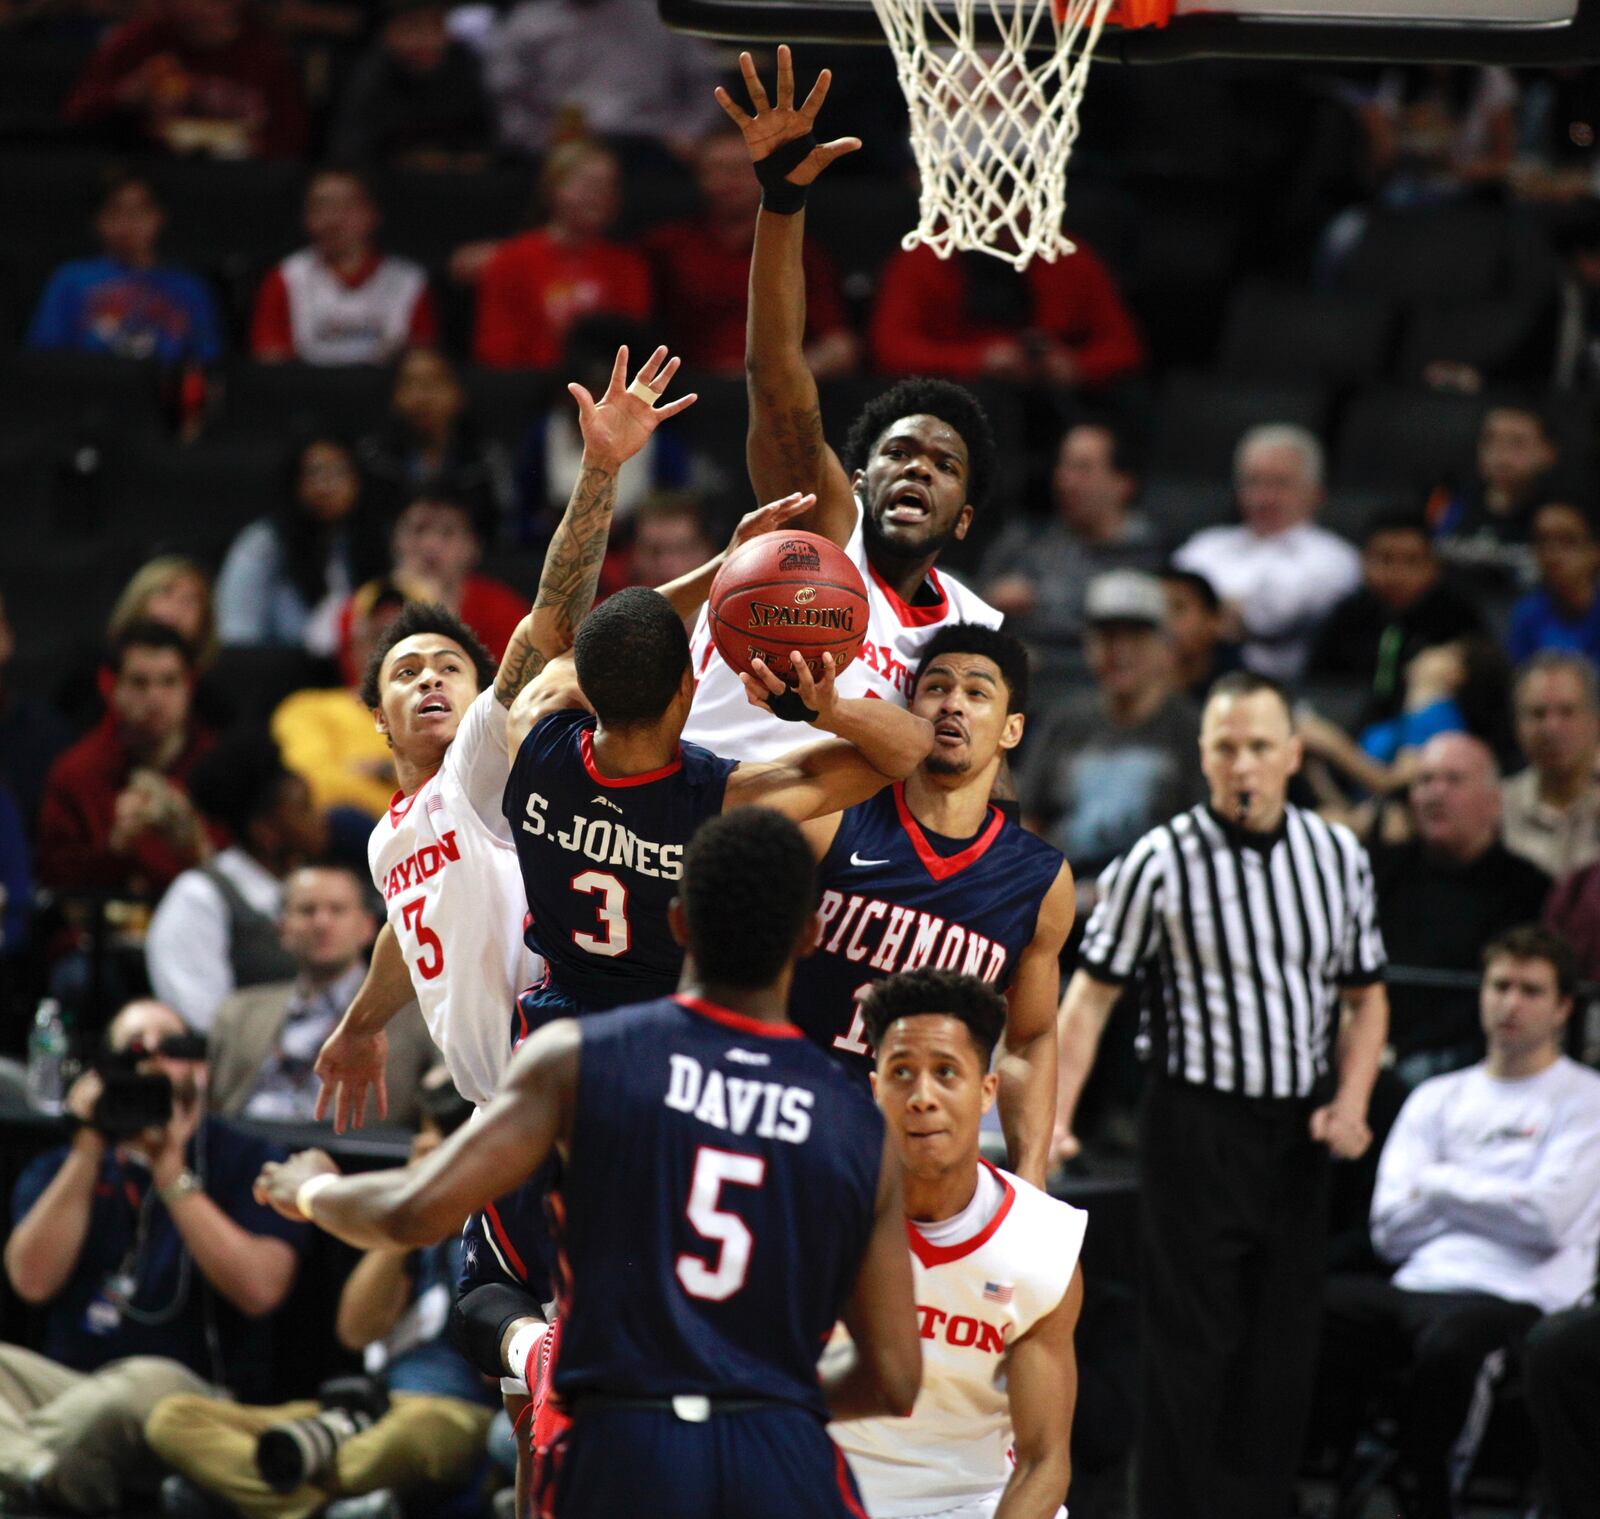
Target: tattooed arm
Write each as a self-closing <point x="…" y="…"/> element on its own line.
<point x="614" y="429"/>
<point x="786" y="450"/>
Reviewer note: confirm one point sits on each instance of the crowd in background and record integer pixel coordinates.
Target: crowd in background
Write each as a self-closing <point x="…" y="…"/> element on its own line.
<point x="1319" y="456"/>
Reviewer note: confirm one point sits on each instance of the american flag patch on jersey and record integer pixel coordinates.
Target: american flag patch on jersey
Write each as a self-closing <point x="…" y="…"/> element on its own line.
<point x="435" y="803"/>
<point x="997" y="1292"/>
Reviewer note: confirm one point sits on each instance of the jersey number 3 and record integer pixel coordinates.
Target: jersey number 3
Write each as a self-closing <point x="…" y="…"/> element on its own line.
<point x="431" y="961"/>
<point x="612" y="911"/>
<point x="713" y="1169"/>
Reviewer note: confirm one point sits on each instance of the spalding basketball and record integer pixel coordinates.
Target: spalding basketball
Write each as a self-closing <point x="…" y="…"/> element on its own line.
<point x="784" y="591"/>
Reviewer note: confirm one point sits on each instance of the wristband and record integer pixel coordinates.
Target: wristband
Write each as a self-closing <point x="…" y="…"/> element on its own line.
<point x="789" y="706"/>
<point x="523" y="1344"/>
<point x="779" y="193"/>
<point x="307" y="1192"/>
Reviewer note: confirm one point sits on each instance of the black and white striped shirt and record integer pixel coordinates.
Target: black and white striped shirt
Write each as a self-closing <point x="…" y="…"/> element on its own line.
<point x="1250" y="937"/>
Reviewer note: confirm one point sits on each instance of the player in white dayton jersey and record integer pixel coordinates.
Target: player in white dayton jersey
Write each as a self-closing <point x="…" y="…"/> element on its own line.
<point x="919" y="456"/>
<point x="443" y="857"/>
<point x="995" y="1270"/>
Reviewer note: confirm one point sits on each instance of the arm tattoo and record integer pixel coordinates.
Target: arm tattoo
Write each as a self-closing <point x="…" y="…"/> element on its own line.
<point x="567" y="583"/>
<point x="794" y="436"/>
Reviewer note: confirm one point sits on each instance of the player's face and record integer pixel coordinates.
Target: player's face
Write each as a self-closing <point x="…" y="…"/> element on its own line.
<point x="964" y="696"/>
<point x="914" y="489"/>
<point x="932" y="1086"/>
<point x="427" y="684"/>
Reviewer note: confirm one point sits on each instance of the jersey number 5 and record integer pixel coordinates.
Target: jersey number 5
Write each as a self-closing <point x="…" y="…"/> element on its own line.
<point x="431" y="961"/>
<point x="711" y="1169"/>
<point x="612" y="911"/>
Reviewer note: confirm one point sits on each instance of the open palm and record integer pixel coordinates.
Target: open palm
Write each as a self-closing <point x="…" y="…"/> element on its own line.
<point x="619" y="424"/>
<point x="774" y="125"/>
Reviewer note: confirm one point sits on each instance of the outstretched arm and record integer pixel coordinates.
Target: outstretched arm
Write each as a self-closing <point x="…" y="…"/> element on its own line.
<point x="1080" y="1022"/>
<point x="1042" y="1386"/>
<point x="688" y="591"/>
<point x="786" y="450"/>
<point x="614" y="429"/>
<point x="1028" y="1057"/>
<point x="353" y="1058"/>
<point x="422" y="1203"/>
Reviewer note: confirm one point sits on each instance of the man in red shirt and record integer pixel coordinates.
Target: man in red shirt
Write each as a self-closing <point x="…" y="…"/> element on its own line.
<point x="341" y="300"/>
<point x="195" y="76"/>
<point x="115" y="815"/>
<point x="702" y="269"/>
<point x="1061" y="324"/>
<point x="438" y="544"/>
<point x="536" y="285"/>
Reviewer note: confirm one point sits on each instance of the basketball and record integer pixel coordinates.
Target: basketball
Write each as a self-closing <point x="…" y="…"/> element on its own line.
<point x="784" y="591"/>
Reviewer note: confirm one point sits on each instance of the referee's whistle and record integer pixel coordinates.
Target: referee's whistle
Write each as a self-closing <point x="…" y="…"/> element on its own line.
<point x="1242" y="807"/>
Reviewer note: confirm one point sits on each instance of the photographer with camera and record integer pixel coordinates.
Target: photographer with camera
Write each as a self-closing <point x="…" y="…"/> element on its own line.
<point x="416" y="1421"/>
<point x="155" y="1268"/>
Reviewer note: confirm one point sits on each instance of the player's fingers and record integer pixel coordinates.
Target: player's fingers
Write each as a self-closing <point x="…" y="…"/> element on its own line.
<point x="819" y="93"/>
<point x="323" y="1094"/>
<point x="804" y="682"/>
<point x="735" y="112"/>
<point x="619" y="372"/>
<point x="785" y="79"/>
<point x="381" y="1090"/>
<point x="664" y="376"/>
<point x="649" y="370"/>
<point x="765" y="676"/>
<point x="683" y="403"/>
<point x="829" y="151"/>
<point x="341" y="1109"/>
<point x="792" y="505"/>
<point x="752" y="82"/>
<point x="582" y="397"/>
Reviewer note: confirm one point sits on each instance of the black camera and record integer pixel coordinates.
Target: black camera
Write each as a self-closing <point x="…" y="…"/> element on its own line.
<point x="301" y="1450"/>
<point x="132" y="1101"/>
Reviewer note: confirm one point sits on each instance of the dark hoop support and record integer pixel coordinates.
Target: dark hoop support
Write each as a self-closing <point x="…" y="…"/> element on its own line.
<point x="1191" y="36"/>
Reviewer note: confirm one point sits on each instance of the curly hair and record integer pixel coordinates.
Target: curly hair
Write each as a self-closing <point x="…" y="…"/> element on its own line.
<point x="1008" y="653"/>
<point x="952" y="404"/>
<point x="425" y="617"/>
<point x="915" y="993"/>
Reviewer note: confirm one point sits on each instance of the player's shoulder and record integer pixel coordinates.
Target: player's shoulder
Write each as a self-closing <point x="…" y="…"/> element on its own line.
<point x="1029" y="846"/>
<point x="1040" y="1230"/>
<point x="561" y="725"/>
<point x="966" y="605"/>
<point x="701" y="764"/>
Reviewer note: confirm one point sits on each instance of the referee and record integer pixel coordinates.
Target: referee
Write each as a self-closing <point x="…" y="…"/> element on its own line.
<point x="1258" y="923"/>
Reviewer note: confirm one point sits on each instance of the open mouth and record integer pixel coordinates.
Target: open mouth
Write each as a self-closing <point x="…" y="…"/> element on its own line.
<point x="949" y="733"/>
<point x="909" y="504"/>
<point x="434" y="706"/>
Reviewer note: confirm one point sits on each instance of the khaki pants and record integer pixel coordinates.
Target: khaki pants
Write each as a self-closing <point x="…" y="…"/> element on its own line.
<point x="80" y="1435"/>
<point x="421" y="1442"/>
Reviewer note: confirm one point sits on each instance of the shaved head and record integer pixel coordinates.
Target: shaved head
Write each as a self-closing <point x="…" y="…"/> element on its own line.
<point x="1456" y="796"/>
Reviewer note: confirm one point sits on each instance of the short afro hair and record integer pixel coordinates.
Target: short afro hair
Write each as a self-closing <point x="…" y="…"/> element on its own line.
<point x="426" y="617"/>
<point x="947" y="993"/>
<point x="950" y="403"/>
<point x="1008" y="653"/>
<point x="240" y="780"/>
<point x="631" y="653"/>
<point x="749" y="882"/>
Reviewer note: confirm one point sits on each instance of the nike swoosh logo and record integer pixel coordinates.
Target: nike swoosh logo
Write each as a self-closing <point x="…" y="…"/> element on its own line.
<point x="856" y="860"/>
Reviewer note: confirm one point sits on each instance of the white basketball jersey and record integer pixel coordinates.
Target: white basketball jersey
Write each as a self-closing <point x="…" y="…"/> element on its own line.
<point x="974" y="1301"/>
<point x="722" y="718"/>
<point x="338" y="323"/>
<point x="444" y="861"/>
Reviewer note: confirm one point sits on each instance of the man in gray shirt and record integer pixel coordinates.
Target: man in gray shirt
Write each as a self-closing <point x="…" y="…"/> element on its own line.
<point x="1108" y="766"/>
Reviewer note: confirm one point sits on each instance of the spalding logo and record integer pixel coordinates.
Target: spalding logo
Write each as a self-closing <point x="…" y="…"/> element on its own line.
<point x="763" y="614"/>
<point x="797" y="554"/>
<point x="804" y="594"/>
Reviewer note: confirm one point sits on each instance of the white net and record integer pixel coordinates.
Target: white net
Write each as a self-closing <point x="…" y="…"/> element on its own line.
<point x="993" y="121"/>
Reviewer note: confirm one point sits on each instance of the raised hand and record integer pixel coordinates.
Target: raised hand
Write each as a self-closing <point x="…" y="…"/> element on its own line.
<point x="619" y="424"/>
<point x="774" y="125"/>
<point x="768" y="518"/>
<point x="351" y="1065"/>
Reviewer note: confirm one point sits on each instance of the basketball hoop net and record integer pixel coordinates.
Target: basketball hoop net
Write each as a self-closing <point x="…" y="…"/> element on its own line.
<point x="993" y="121"/>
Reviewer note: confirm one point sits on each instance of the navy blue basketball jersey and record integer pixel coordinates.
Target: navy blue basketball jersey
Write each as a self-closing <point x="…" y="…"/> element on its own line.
<point x="896" y="897"/>
<point x="715" y="1208"/>
<point x="602" y="858"/>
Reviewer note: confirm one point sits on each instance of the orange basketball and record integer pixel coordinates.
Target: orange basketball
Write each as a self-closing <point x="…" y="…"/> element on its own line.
<point x="784" y="591"/>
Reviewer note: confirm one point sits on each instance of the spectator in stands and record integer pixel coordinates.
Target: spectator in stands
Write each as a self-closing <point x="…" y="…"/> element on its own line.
<point x="1484" y="525"/>
<point x="125" y="302"/>
<point x="1405" y="603"/>
<point x="171" y="589"/>
<point x="431" y="436"/>
<point x="536" y="285"/>
<point x="1278" y="571"/>
<point x="32" y="732"/>
<point x="702" y="271"/>
<point x="1443" y="895"/>
<point x="1038" y="571"/>
<point x="341" y="300"/>
<point x="286" y="576"/>
<point x="1564" y="612"/>
<point x="430" y="1440"/>
<point x="1196" y="633"/>
<point x="548" y="79"/>
<point x="670" y="539"/>
<point x="115" y="814"/>
<point x="1060" y="324"/>
<point x="417" y="99"/>
<point x="1114" y="761"/>
<point x="438" y="545"/>
<point x="217" y="926"/>
<point x="1573" y="339"/>
<point x="1560" y="1371"/>
<point x="194" y="76"/>
<point x="328" y="738"/>
<point x="1488" y="1202"/>
<point x="1552" y="809"/>
<point x="265" y="1038"/>
<point x="1438" y="132"/>
<point x="156" y="1270"/>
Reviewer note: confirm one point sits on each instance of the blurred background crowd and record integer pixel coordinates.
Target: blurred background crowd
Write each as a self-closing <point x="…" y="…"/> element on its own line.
<point x="289" y="295"/>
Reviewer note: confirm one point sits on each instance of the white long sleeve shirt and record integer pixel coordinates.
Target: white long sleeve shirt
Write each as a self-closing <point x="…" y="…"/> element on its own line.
<point x="1493" y="1186"/>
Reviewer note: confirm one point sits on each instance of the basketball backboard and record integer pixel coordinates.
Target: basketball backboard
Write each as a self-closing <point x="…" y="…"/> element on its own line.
<point x="1512" y="32"/>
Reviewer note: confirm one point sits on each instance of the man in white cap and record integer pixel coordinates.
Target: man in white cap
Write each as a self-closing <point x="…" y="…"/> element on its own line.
<point x="1119" y="756"/>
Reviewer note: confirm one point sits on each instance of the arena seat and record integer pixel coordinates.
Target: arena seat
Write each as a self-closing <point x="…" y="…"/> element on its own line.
<point x="1392" y="437"/>
<point x="164" y="497"/>
<point x="860" y="221"/>
<point x="221" y="212"/>
<point x="280" y="402"/>
<point x="1200" y="419"/>
<point x="1487" y="334"/>
<point x="49" y="194"/>
<point x="1180" y="508"/>
<point x="427" y="216"/>
<point x="1464" y="252"/>
<point x="60" y="393"/>
<point x="506" y="401"/>
<point x="1282" y="332"/>
<point x="1347" y="509"/>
